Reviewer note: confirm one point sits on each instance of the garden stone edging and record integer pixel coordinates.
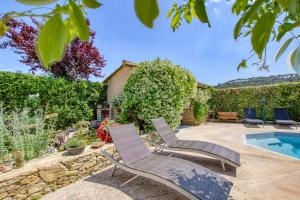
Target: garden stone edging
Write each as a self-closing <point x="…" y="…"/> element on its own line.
<point x="47" y="174"/>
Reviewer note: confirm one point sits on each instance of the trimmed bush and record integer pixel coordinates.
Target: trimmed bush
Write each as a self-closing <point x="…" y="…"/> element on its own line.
<point x="72" y="100"/>
<point x="277" y="95"/>
<point x="156" y="88"/>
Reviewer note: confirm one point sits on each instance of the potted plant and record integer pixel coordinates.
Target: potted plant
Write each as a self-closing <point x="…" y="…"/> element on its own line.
<point x="75" y="146"/>
<point x="102" y="131"/>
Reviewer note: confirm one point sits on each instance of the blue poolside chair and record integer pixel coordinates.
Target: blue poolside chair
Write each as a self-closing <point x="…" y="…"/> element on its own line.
<point x="251" y="118"/>
<point x="282" y="117"/>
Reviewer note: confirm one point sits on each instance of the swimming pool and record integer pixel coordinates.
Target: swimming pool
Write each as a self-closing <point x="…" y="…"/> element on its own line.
<point x="287" y="144"/>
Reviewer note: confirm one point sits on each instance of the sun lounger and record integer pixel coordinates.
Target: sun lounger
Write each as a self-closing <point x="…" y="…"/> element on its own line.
<point x="188" y="178"/>
<point x="282" y="117"/>
<point x="225" y="155"/>
<point x="251" y="118"/>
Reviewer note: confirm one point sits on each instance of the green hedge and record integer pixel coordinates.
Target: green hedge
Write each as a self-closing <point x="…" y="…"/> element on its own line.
<point x="73" y="101"/>
<point x="277" y="95"/>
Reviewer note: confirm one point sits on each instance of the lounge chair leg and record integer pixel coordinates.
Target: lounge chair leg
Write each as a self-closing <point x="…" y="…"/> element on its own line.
<point x="113" y="172"/>
<point x="129" y="180"/>
<point x="155" y="149"/>
<point x="223" y="165"/>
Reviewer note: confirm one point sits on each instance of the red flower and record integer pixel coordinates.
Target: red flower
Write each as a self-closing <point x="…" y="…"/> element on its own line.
<point x="102" y="130"/>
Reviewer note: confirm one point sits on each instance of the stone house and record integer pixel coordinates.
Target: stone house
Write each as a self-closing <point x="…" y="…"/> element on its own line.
<point x="115" y="83"/>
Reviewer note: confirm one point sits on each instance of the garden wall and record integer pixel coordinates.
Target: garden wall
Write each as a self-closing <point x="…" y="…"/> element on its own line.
<point x="72" y="100"/>
<point x="277" y="95"/>
<point x="50" y="173"/>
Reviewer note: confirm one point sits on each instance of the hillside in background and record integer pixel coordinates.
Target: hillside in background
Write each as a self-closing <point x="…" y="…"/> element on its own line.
<point x="260" y="81"/>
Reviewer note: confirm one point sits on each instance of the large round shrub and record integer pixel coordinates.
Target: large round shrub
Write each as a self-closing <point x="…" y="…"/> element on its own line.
<point x="157" y="88"/>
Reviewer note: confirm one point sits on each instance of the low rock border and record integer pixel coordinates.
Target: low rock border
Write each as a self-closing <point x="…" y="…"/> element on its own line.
<point x="40" y="178"/>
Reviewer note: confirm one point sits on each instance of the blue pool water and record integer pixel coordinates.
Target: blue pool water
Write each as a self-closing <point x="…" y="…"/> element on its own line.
<point x="283" y="143"/>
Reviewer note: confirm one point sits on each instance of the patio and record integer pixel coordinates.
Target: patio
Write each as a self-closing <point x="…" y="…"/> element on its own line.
<point x="263" y="174"/>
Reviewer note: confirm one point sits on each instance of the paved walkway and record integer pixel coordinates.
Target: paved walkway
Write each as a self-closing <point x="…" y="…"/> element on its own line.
<point x="263" y="174"/>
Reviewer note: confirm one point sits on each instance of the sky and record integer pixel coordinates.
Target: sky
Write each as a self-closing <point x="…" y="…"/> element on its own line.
<point x="211" y="54"/>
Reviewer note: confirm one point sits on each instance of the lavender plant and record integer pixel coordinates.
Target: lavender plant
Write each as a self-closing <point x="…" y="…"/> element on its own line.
<point x="3" y="131"/>
<point x="22" y="132"/>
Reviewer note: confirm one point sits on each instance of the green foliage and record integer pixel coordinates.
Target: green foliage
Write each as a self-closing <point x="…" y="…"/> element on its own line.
<point x="73" y="101"/>
<point x="262" y="19"/>
<point x="78" y="22"/>
<point x="36" y="2"/>
<point x="261" y="32"/>
<point x="146" y="11"/>
<point x="54" y="41"/>
<point x="91" y="3"/>
<point x="201" y="106"/>
<point x="200" y="11"/>
<point x="189" y="9"/>
<point x="277" y="95"/>
<point x="157" y="88"/>
<point x="3" y="136"/>
<point x="283" y="48"/>
<point x="295" y="59"/>
<point x="19" y="131"/>
<point x="3" y="28"/>
<point x="74" y="143"/>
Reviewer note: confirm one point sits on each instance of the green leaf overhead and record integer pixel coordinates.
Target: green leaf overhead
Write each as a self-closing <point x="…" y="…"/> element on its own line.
<point x="200" y="11"/>
<point x="175" y="21"/>
<point x="261" y="32"/>
<point x="91" y="3"/>
<point x="146" y="11"/>
<point x="243" y="64"/>
<point x="70" y="31"/>
<point x="252" y="9"/>
<point x="51" y="41"/>
<point x="286" y="27"/>
<point x="3" y="28"/>
<point x="283" y="48"/>
<point x="78" y="22"/>
<point x="293" y="6"/>
<point x="295" y="60"/>
<point x="36" y="2"/>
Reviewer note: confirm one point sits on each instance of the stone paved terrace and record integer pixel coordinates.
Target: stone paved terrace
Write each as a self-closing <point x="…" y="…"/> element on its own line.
<point x="263" y="174"/>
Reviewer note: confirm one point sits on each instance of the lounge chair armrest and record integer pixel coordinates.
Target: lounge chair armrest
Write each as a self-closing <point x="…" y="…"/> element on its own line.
<point x="110" y="157"/>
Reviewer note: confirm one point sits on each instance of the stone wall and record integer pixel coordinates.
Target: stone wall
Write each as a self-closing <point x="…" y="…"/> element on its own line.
<point x="48" y="174"/>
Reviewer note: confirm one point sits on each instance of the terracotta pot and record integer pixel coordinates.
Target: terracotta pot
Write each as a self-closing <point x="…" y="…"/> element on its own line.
<point x="76" y="150"/>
